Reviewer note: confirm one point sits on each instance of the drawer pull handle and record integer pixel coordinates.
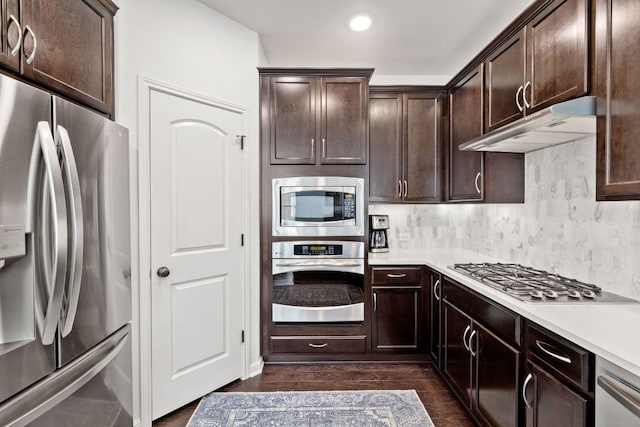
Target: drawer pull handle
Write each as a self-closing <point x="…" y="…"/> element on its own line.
<point x="318" y="345"/>
<point x="396" y="276"/>
<point x="524" y="391"/>
<point x="541" y="345"/>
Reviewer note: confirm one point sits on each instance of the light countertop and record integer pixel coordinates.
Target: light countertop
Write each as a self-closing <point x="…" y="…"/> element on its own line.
<point x="607" y="329"/>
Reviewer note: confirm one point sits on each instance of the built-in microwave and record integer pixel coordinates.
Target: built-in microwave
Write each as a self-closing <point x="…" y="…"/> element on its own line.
<point x="318" y="206"/>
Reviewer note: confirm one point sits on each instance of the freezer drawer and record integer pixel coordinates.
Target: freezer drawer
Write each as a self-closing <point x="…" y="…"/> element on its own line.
<point x="94" y="390"/>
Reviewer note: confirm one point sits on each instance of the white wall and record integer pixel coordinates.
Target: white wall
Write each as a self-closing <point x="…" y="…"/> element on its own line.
<point x="560" y="227"/>
<point x="185" y="44"/>
<point x="408" y="80"/>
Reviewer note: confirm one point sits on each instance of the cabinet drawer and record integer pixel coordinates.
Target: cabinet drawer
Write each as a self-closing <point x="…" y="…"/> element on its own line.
<point x="319" y="344"/>
<point x="391" y="275"/>
<point x="502" y="322"/>
<point x="561" y="356"/>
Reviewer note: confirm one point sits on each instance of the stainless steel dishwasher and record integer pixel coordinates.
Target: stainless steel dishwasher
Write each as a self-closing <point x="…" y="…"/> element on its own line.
<point x="617" y="396"/>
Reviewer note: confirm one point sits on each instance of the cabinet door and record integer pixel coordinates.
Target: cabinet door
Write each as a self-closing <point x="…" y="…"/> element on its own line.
<point x="293" y="120"/>
<point x="344" y="125"/>
<point x="505" y="77"/>
<point x="457" y="359"/>
<point x="434" y="281"/>
<point x="618" y="122"/>
<point x="552" y="404"/>
<point x="422" y="164"/>
<point x="397" y="314"/>
<point x="385" y="147"/>
<point x="496" y="378"/>
<point x="465" y="167"/>
<point x="71" y="44"/>
<point x="10" y="30"/>
<point x="557" y="54"/>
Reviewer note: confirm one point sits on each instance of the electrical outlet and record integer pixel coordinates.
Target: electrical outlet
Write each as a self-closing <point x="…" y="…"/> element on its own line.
<point x="404" y="236"/>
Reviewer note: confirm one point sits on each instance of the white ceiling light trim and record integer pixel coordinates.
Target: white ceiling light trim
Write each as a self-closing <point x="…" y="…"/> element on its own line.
<point x="360" y="23"/>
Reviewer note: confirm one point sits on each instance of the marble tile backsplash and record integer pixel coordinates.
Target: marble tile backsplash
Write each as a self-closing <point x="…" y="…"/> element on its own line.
<point x="560" y="227"/>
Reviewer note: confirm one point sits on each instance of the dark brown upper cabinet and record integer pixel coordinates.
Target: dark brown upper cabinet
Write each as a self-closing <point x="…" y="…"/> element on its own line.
<point x="317" y="119"/>
<point x="617" y="86"/>
<point x="10" y="34"/>
<point x="343" y="120"/>
<point x="557" y="54"/>
<point x="293" y="120"/>
<point x="505" y="74"/>
<point x="544" y="63"/>
<point x="465" y="168"/>
<point x="474" y="175"/>
<point x="405" y="146"/>
<point x="67" y="46"/>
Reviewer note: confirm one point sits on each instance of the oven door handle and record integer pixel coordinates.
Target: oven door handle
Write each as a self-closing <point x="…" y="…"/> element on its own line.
<point x="350" y="266"/>
<point x="320" y="264"/>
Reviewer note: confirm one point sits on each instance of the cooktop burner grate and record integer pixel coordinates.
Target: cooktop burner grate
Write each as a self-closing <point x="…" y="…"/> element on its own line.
<point x="530" y="284"/>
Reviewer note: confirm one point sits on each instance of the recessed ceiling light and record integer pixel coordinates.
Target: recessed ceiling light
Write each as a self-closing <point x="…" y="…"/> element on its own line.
<point x="360" y="23"/>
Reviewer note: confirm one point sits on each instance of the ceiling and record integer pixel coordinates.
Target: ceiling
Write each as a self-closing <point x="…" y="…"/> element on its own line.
<point x="407" y="38"/>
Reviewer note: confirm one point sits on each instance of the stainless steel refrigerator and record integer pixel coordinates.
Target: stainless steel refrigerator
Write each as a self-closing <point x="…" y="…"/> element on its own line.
<point x="65" y="263"/>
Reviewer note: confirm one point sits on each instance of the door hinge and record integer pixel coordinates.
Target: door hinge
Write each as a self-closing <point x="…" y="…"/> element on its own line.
<point x="242" y="336"/>
<point x="242" y="240"/>
<point x="242" y="137"/>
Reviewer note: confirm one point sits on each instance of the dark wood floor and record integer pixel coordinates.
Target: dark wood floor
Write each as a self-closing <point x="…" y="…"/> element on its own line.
<point x="442" y="406"/>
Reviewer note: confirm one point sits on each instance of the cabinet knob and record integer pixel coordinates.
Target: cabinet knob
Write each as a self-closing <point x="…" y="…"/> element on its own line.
<point x="163" y="272"/>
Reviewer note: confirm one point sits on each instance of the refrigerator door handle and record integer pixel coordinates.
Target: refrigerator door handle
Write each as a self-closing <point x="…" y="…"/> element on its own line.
<point x="36" y="401"/>
<point x="76" y="231"/>
<point x="50" y="273"/>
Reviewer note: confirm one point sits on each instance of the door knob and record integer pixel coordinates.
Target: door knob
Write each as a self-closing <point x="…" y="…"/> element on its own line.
<point x="163" y="272"/>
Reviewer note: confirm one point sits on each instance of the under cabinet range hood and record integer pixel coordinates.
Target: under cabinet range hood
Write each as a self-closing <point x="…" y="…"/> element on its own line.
<point x="560" y="123"/>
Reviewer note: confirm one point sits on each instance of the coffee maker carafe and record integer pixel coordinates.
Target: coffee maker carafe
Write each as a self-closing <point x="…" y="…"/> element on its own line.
<point x="378" y="238"/>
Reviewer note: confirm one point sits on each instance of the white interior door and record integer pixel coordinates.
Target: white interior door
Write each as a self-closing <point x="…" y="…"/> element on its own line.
<point x="196" y="226"/>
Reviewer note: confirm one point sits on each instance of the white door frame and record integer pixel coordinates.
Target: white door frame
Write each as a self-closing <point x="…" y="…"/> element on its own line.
<point x="145" y="86"/>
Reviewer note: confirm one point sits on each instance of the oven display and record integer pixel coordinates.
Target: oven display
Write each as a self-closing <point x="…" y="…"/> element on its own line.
<point x="317" y="249"/>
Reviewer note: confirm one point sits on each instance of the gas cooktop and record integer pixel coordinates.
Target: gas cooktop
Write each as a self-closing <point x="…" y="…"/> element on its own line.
<point x="532" y="285"/>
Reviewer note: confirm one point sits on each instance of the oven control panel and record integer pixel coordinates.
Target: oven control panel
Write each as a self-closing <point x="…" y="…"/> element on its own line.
<point x="315" y="250"/>
<point x="325" y="249"/>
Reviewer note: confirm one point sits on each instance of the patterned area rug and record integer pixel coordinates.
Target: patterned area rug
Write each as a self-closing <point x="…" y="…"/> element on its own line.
<point x="389" y="408"/>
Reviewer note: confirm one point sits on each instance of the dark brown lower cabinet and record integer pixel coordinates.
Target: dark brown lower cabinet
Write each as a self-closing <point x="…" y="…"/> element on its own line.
<point x="398" y="304"/>
<point x="482" y="369"/>
<point x="496" y="368"/>
<point x="397" y="314"/>
<point x="434" y="281"/>
<point x="457" y="359"/>
<point x="550" y="403"/>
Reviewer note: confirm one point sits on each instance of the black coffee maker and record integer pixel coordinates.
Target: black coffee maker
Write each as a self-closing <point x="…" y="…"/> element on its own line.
<point x="378" y="238"/>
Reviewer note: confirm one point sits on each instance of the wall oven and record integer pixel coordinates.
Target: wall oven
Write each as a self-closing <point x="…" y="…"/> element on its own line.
<point x="318" y="282"/>
<point x="318" y="206"/>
